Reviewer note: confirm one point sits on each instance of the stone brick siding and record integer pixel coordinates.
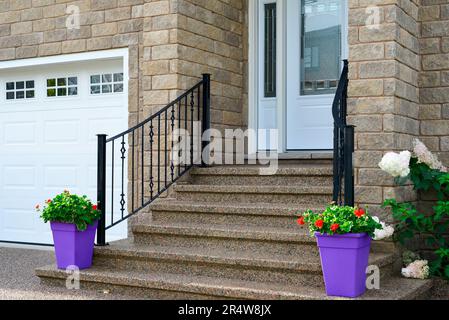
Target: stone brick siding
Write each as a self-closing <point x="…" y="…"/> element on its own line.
<point x="384" y="92"/>
<point x="399" y="71"/>
<point x="434" y="78"/>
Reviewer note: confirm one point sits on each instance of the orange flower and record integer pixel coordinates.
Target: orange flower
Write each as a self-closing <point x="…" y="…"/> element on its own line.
<point x="359" y="212"/>
<point x="301" y="221"/>
<point x="335" y="227"/>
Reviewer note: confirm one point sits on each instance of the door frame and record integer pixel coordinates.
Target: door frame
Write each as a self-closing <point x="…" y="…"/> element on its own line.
<point x="281" y="89"/>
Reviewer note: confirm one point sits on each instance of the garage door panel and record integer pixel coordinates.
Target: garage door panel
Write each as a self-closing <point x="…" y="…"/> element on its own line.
<point x="18" y="220"/>
<point x="19" y="133"/>
<point x="62" y="131"/>
<point x="57" y="177"/>
<point x="19" y="177"/>
<point x="49" y="144"/>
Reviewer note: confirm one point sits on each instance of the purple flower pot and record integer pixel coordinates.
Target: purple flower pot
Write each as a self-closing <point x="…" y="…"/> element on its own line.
<point x="344" y="259"/>
<point x="73" y="247"/>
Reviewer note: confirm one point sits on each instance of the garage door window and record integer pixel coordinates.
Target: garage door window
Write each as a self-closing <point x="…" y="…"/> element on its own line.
<point x="17" y="90"/>
<point x="106" y="83"/>
<point x="62" y="87"/>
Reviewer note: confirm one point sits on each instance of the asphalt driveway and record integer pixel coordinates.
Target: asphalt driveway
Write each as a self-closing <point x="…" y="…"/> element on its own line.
<point x="19" y="282"/>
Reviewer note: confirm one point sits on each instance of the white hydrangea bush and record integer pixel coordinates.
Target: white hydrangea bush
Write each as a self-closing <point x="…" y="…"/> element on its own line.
<point x="396" y="164"/>
<point x="418" y="269"/>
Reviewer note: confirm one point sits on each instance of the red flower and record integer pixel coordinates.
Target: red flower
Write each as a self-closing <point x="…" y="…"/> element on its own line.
<point x="301" y="221"/>
<point x="359" y="212"/>
<point x="94" y="207"/>
<point x="38" y="206"/>
<point x="335" y="227"/>
<point x="48" y="201"/>
<point x="319" y="224"/>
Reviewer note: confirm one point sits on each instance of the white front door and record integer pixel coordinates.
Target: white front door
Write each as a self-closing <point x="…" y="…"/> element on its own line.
<point x="49" y="118"/>
<point x="301" y="45"/>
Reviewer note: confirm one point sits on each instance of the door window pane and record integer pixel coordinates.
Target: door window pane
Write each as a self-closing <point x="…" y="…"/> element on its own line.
<point x="320" y="46"/>
<point x="270" y="51"/>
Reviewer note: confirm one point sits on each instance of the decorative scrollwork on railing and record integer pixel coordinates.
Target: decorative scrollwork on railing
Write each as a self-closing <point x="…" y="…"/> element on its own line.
<point x="163" y="171"/>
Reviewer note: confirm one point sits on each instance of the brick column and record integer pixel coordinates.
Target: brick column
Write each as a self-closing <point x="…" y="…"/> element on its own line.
<point x="384" y="95"/>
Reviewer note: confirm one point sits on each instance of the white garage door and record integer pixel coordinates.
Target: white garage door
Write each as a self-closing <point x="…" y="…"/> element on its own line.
<point x="49" y="118"/>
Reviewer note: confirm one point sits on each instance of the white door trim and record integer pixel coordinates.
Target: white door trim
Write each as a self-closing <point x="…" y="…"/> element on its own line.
<point x="253" y="70"/>
<point x="64" y="58"/>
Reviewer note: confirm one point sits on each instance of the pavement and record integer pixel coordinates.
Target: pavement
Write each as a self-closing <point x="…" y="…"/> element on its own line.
<point x="19" y="282"/>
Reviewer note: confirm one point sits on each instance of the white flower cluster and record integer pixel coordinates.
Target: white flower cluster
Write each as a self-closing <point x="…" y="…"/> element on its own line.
<point x="396" y="164"/>
<point x="384" y="233"/>
<point x="425" y="156"/>
<point x="417" y="270"/>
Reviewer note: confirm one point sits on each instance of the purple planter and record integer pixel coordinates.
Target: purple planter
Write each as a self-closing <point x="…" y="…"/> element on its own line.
<point x="344" y="259"/>
<point x="73" y="247"/>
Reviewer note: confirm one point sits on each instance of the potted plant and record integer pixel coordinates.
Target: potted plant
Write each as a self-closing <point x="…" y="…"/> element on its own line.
<point x="344" y="239"/>
<point x="74" y="221"/>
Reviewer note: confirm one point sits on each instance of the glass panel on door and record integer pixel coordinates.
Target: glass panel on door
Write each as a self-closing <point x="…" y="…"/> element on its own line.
<point x="267" y="75"/>
<point x="314" y="53"/>
<point x="320" y="46"/>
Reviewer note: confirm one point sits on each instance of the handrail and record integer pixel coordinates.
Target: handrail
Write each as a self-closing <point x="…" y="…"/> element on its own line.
<point x="343" y="144"/>
<point x="146" y="149"/>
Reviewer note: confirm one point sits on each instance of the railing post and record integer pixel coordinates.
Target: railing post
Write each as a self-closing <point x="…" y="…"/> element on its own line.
<point x="101" y="189"/>
<point x="205" y="134"/>
<point x="348" y="163"/>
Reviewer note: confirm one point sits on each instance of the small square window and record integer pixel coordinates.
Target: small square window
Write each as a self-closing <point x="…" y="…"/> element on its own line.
<point x="51" y="82"/>
<point x="30" y="84"/>
<point x="30" y="94"/>
<point x="20" y="85"/>
<point x="95" y="79"/>
<point x="106" y="88"/>
<point x="9" y="95"/>
<point x="73" y="81"/>
<point x="51" y="92"/>
<point x="20" y="94"/>
<point x="118" y="87"/>
<point x="62" y="92"/>
<point x="73" y="91"/>
<point x="106" y="78"/>
<point x="95" y="89"/>
<point x="62" y="81"/>
<point x="10" y="86"/>
<point x="118" y="77"/>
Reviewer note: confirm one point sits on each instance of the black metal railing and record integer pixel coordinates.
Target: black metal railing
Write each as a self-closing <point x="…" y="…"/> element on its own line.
<point x="343" y="144"/>
<point x="158" y="151"/>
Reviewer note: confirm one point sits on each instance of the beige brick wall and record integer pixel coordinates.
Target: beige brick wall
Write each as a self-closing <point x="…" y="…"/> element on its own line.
<point x="171" y="43"/>
<point x="384" y="92"/>
<point x="434" y="78"/>
<point x="399" y="71"/>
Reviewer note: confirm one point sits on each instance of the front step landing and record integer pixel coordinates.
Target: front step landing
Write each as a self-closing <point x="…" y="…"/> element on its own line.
<point x="175" y="286"/>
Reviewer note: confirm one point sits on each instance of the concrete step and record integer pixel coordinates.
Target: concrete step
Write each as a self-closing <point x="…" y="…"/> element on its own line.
<point x="189" y="287"/>
<point x="171" y="211"/>
<point x="227" y="264"/>
<point x="254" y="194"/>
<point x="254" y="240"/>
<point x="313" y="175"/>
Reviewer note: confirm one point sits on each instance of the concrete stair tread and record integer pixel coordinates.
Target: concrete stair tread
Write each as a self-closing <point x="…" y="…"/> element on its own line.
<point x="128" y="249"/>
<point x="394" y="288"/>
<point x="236" y="208"/>
<point x="253" y="189"/>
<point x="283" y="170"/>
<point x="300" y="235"/>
